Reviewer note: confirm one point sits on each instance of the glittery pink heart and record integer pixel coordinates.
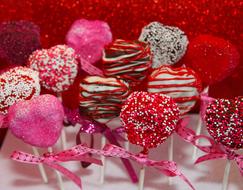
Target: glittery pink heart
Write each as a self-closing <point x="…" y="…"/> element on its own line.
<point x="88" y="38"/>
<point x="38" y="121"/>
<point x="224" y="119"/>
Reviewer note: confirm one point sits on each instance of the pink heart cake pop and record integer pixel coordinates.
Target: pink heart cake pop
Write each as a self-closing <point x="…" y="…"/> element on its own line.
<point x="102" y="98"/>
<point x="88" y="38"/>
<point x="224" y="119"/>
<point x="57" y="67"/>
<point x="19" y="83"/>
<point x="149" y="118"/>
<point x="182" y="84"/>
<point x="38" y="121"/>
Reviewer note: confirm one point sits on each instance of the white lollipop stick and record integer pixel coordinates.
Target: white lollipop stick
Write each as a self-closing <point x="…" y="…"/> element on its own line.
<point x="126" y="143"/>
<point x="58" y="175"/>
<point x="64" y="139"/>
<point x="170" y="153"/>
<point x="141" y="178"/>
<point x="199" y="127"/>
<point x="226" y="175"/>
<point x="102" y="168"/>
<point x="63" y="133"/>
<point x="40" y="166"/>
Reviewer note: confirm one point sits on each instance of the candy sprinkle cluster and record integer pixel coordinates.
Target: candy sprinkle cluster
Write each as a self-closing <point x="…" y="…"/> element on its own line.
<point x="149" y="119"/>
<point x="57" y="67"/>
<point x="224" y="119"/>
<point x="17" y="84"/>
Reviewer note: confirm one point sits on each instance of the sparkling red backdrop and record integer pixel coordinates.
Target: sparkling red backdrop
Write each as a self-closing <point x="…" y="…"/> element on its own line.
<point x="223" y="18"/>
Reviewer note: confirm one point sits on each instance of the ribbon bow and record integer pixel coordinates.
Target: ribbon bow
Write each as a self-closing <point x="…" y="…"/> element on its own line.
<point x="91" y="127"/>
<point x="78" y="152"/>
<point x="52" y="160"/>
<point x="213" y="150"/>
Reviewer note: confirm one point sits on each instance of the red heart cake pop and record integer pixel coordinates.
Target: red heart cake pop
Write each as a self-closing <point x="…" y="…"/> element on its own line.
<point x="224" y="119"/>
<point x="57" y="67"/>
<point x="128" y="60"/>
<point x="38" y="121"/>
<point x="212" y="58"/>
<point x="149" y="118"/>
<point x="19" y="83"/>
<point x="102" y="98"/>
<point x="182" y="84"/>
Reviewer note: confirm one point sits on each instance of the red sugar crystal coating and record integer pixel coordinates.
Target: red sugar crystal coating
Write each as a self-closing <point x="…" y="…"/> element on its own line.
<point x="212" y="58"/>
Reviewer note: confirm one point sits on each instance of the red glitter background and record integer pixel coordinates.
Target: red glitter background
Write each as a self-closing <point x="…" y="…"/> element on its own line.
<point x="222" y="18"/>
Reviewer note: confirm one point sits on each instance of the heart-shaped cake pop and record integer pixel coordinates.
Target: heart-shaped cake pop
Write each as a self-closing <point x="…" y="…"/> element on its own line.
<point x="57" y="67"/>
<point x="213" y="58"/>
<point x="224" y="119"/>
<point x="167" y="43"/>
<point x="129" y="60"/>
<point x="149" y="118"/>
<point x="182" y="84"/>
<point x="101" y="98"/>
<point x="38" y="121"/>
<point x="19" y="83"/>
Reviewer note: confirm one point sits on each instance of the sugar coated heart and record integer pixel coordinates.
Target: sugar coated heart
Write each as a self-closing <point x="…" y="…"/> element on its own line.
<point x="224" y="119"/>
<point x="149" y="118"/>
<point x="38" y="121"/>
<point x="57" y="67"/>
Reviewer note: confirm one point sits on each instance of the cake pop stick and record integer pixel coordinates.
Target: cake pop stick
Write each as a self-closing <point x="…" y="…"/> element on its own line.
<point x="141" y="178"/>
<point x="226" y="175"/>
<point x="58" y="175"/>
<point x="40" y="166"/>
<point x="170" y="153"/>
<point x="199" y="126"/>
<point x="103" y="159"/>
<point x="63" y="133"/>
<point x="126" y="143"/>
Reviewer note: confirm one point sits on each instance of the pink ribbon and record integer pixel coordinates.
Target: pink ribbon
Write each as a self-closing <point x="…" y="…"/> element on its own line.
<point x="91" y="127"/>
<point x="90" y="68"/>
<point x="213" y="150"/>
<point x="168" y="168"/>
<point x="52" y="160"/>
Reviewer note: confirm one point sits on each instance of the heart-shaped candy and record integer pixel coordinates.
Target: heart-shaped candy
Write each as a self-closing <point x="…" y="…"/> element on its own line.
<point x="57" y="67"/>
<point x="38" y="121"/>
<point x="102" y="98"/>
<point x="149" y="118"/>
<point x="182" y="84"/>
